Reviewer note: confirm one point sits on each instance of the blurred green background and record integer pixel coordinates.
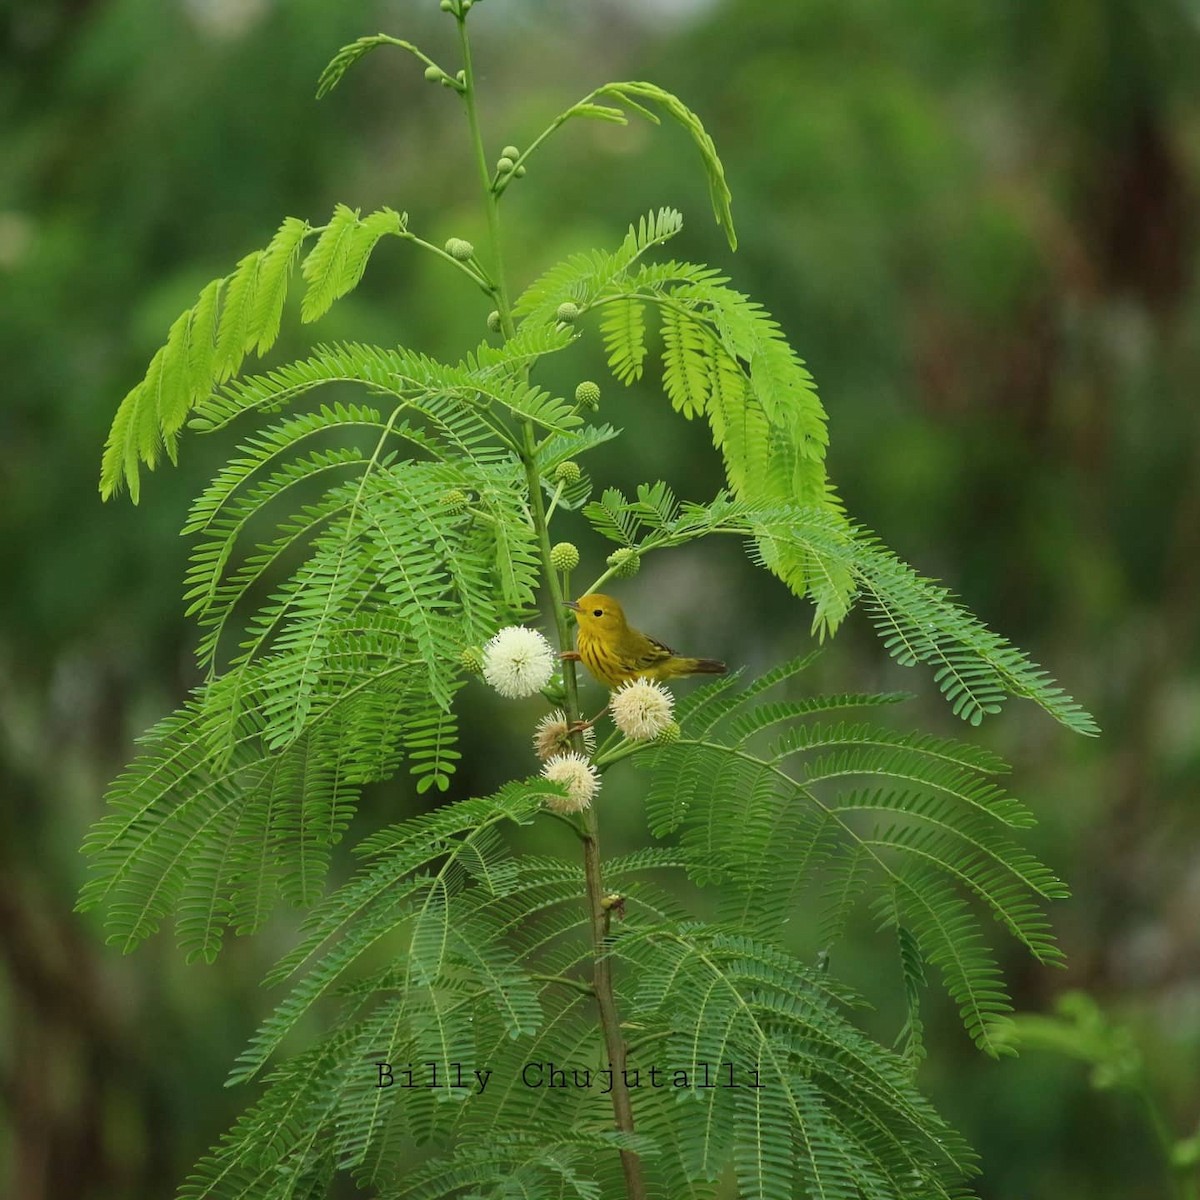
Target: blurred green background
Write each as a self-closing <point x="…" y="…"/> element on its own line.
<point x="978" y="224"/>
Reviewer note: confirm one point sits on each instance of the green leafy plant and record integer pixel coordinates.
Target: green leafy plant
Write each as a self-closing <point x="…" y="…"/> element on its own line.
<point x="1080" y="1029"/>
<point x="350" y="561"/>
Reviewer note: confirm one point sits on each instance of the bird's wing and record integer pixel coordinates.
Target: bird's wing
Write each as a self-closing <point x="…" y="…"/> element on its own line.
<point x="649" y="654"/>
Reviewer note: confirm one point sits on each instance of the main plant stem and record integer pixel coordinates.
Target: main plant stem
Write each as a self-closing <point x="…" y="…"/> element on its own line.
<point x="602" y="981"/>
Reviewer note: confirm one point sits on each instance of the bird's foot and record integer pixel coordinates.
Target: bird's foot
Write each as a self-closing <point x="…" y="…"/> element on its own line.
<point x="569" y="656"/>
<point x="581" y="725"/>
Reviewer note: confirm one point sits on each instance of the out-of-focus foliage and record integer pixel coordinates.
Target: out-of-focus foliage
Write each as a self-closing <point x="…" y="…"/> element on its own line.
<point x="977" y="223"/>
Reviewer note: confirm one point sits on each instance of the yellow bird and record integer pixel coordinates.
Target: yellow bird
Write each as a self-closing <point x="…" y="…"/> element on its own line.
<point x="615" y="653"/>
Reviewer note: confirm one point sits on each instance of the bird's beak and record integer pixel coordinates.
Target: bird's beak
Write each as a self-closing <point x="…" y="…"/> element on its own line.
<point x="573" y="605"/>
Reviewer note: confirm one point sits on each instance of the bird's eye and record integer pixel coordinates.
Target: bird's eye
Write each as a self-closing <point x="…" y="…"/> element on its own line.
<point x="597" y="612"/>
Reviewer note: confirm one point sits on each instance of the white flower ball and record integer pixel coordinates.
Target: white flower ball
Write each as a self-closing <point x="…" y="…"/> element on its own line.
<point x="553" y="736"/>
<point x="642" y="709"/>
<point x="518" y="662"/>
<point x="577" y="775"/>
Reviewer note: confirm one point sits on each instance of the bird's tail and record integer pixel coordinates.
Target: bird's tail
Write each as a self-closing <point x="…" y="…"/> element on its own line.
<point x="706" y="666"/>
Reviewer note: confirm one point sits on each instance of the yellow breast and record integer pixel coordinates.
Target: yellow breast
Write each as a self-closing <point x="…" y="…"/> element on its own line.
<point x="599" y="659"/>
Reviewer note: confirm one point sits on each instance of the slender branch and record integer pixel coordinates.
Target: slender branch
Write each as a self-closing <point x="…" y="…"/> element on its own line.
<point x="610" y="1021"/>
<point x="566" y="820"/>
<point x="579" y="985"/>
<point x="1183" y="1181"/>
<point x="489" y="197"/>
<point x="558" y="491"/>
<point x="481" y="281"/>
<point x="620" y="751"/>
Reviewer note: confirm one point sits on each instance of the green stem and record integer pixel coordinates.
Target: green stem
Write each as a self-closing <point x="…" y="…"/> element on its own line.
<point x="481" y="281"/>
<point x="558" y="491"/>
<point x="489" y="197"/>
<point x="1183" y="1181"/>
<point x="578" y="985"/>
<point x="622" y="750"/>
<point x="602" y="982"/>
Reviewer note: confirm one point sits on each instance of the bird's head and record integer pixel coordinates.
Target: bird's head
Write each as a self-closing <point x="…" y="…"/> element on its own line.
<point x="598" y="613"/>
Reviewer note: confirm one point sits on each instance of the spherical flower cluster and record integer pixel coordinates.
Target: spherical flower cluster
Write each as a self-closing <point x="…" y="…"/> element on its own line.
<point x="642" y="709"/>
<point x="471" y="658"/>
<point x="460" y="249"/>
<point x="456" y="500"/>
<point x="518" y="662"/>
<point x="568" y="472"/>
<point x="567" y="312"/>
<point x="577" y="775"/>
<point x="588" y="394"/>
<point x="493" y="320"/>
<point x="553" y="736"/>
<point x="564" y="556"/>
<point x="625" y="562"/>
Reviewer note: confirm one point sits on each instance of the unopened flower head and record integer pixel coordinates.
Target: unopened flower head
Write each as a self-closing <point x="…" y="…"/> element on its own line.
<point x="564" y="556"/>
<point x="553" y="736"/>
<point x="624" y="562"/>
<point x="642" y="709"/>
<point x="471" y="657"/>
<point x="518" y="662"/>
<point x="577" y="775"/>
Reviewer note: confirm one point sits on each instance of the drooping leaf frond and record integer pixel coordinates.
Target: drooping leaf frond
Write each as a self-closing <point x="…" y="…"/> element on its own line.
<point x="336" y="263"/>
<point x="232" y="316"/>
<point x="935" y="835"/>
<point x="638" y="95"/>
<point x="819" y="553"/>
<point x="818" y="1109"/>
<point x="344" y="59"/>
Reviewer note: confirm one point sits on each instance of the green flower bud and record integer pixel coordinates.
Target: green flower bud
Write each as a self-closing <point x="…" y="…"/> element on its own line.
<point x="494" y="321"/>
<point x="668" y="733"/>
<point x="505" y="165"/>
<point x="433" y="74"/>
<point x="471" y="657"/>
<point x="556" y="691"/>
<point x="510" y="152"/>
<point x="466" y="5"/>
<point x="446" y="5"/>
<point x="460" y="249"/>
<point x="564" y="556"/>
<point x="456" y="500"/>
<point x="520" y="171"/>
<point x="567" y="472"/>
<point x="567" y="312"/>
<point x="625" y="562"/>
<point x="588" y="394"/>
<point x="462" y="75"/>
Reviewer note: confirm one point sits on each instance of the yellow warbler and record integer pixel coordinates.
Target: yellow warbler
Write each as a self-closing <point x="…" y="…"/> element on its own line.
<point x="614" y="652"/>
